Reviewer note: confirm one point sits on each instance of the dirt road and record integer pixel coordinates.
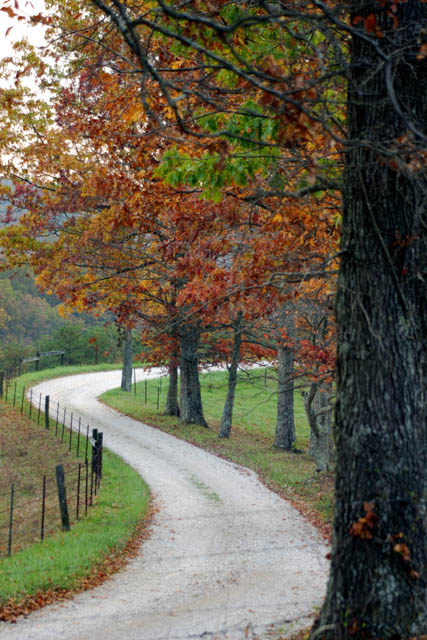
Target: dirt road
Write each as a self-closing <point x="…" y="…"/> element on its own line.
<point x="226" y="557"/>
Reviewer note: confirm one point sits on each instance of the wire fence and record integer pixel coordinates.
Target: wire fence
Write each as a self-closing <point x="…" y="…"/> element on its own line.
<point x="65" y="492"/>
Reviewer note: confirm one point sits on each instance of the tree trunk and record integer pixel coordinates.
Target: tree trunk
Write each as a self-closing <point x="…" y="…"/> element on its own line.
<point x="318" y="412"/>
<point x="191" y="411"/>
<point x="285" y="425"/>
<point x="172" y="406"/>
<point x="377" y="586"/>
<point x="227" y="414"/>
<point x="126" y="384"/>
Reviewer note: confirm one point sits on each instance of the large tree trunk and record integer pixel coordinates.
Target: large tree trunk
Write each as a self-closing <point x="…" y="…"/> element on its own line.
<point x="285" y="425"/>
<point x="377" y="587"/>
<point x="191" y="411"/>
<point x="227" y="414"/>
<point x="172" y="406"/>
<point x="126" y="384"/>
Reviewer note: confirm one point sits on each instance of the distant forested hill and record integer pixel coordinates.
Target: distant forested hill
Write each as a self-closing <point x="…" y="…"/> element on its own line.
<point x="29" y="321"/>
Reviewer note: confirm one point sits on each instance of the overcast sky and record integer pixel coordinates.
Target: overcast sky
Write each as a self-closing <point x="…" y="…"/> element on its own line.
<point x="19" y="28"/>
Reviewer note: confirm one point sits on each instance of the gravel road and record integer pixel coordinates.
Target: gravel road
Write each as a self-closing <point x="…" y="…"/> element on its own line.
<point x="226" y="559"/>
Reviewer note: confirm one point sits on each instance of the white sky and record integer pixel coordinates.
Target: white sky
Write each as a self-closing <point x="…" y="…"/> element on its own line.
<point x="20" y="28"/>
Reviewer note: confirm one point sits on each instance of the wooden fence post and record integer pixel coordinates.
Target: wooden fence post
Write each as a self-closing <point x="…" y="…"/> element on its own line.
<point x="1" y="383"/>
<point x="62" y="497"/>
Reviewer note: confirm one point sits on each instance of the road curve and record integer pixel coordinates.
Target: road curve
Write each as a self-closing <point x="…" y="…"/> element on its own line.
<point x="226" y="559"/>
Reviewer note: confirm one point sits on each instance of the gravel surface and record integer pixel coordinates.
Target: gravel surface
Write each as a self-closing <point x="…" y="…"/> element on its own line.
<point x="226" y="559"/>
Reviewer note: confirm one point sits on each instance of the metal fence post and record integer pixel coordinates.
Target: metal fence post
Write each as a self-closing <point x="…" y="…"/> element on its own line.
<point x="43" y="508"/>
<point x="46" y="412"/>
<point x="9" y="542"/>
<point x="40" y="408"/>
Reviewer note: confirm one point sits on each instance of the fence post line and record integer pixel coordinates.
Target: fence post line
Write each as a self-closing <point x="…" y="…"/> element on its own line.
<point x="62" y="497"/>
<point x="63" y="424"/>
<point x="78" y="490"/>
<point x="1" y="383"/>
<point x="134" y="379"/>
<point x="158" y="398"/>
<point x="31" y="402"/>
<point x="94" y="460"/>
<point x="87" y="441"/>
<point x="43" y="508"/>
<point x="71" y="432"/>
<point x="78" y="437"/>
<point x="91" y="485"/>
<point x="38" y="360"/>
<point x="40" y="408"/>
<point x="46" y="411"/>
<point x="9" y="542"/>
<point x="86" y="483"/>
<point x="7" y="388"/>
<point x="22" y="399"/>
<point x="57" y="419"/>
<point x="101" y="452"/>
<point x="14" y="394"/>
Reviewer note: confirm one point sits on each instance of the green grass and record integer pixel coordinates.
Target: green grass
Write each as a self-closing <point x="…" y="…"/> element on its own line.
<point x="252" y="436"/>
<point x="63" y="561"/>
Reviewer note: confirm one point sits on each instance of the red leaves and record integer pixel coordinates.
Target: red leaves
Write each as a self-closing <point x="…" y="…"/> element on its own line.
<point x="369" y="23"/>
<point x="365" y="526"/>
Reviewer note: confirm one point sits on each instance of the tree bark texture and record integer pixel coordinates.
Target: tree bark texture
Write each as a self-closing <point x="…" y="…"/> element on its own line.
<point x="377" y="585"/>
<point x="227" y="414"/>
<point x="191" y="410"/>
<point x="318" y="411"/>
<point x="172" y="406"/>
<point x="285" y="424"/>
<point x="126" y="383"/>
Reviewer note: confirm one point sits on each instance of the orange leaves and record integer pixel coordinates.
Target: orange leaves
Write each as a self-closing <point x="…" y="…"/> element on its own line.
<point x="370" y="24"/>
<point x="10" y="12"/>
<point x="364" y="527"/>
<point x="422" y="52"/>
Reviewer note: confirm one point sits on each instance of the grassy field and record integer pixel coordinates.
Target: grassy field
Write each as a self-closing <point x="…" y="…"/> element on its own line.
<point x="96" y="545"/>
<point x="251" y="442"/>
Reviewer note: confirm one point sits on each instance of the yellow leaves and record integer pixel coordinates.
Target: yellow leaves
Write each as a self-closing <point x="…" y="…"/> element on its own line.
<point x="134" y="114"/>
<point x="402" y="549"/>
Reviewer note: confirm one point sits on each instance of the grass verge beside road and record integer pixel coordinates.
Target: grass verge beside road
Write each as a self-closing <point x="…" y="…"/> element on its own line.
<point x="97" y="544"/>
<point x="293" y="475"/>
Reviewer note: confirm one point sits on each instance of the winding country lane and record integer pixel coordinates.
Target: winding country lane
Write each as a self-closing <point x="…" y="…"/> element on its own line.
<point x="226" y="557"/>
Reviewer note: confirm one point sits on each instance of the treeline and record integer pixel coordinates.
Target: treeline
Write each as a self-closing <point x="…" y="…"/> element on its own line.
<point x="30" y="322"/>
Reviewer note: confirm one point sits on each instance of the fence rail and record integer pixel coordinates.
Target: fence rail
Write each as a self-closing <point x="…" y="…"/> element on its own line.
<point x="17" y="369"/>
<point x="66" y="491"/>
